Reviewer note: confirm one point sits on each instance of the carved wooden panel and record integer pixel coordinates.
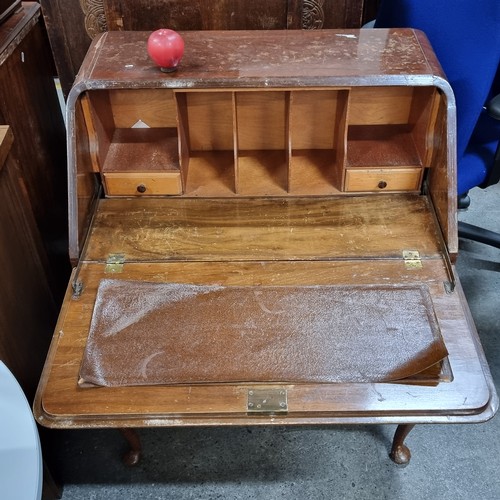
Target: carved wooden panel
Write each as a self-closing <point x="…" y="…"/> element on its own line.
<point x="313" y="14"/>
<point x="95" y="18"/>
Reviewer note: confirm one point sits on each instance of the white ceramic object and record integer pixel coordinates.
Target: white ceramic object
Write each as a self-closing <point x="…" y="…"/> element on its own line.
<point x="20" y="451"/>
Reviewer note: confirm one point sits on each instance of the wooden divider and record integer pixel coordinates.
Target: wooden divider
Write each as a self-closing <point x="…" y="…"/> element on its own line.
<point x="256" y="142"/>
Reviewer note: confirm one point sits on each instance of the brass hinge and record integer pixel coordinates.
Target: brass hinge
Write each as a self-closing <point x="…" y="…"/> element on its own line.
<point x="412" y="259"/>
<point x="114" y="263"/>
<point x="267" y="401"/>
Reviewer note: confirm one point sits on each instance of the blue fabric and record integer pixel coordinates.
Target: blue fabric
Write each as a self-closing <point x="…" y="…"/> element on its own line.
<point x="480" y="153"/>
<point x="465" y="35"/>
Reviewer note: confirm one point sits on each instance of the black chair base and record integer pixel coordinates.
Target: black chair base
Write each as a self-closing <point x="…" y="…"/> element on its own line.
<point x="475" y="233"/>
<point x="463" y="201"/>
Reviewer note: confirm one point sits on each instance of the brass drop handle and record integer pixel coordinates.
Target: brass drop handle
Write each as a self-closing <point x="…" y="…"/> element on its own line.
<point x="382" y="184"/>
<point x="141" y="188"/>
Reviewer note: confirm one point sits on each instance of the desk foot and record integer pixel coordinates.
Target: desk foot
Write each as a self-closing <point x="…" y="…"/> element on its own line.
<point x="400" y="453"/>
<point x="133" y="456"/>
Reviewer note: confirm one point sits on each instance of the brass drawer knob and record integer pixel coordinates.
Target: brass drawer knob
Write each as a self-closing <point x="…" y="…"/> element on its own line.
<point x="382" y="184"/>
<point x="141" y="188"/>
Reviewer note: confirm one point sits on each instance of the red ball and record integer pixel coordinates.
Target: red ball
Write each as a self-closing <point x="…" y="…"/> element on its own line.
<point x="166" y="48"/>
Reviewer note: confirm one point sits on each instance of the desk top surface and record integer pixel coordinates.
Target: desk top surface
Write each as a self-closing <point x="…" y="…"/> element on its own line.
<point x="262" y="59"/>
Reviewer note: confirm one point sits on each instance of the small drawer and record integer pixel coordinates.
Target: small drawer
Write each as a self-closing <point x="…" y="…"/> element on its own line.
<point x="382" y="179"/>
<point x="142" y="184"/>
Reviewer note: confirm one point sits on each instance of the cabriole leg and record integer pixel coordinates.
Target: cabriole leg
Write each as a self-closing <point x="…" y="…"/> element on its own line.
<point x="132" y="456"/>
<point x="400" y="453"/>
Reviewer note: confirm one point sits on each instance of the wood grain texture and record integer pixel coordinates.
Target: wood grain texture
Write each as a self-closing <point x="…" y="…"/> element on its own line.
<point x="31" y="108"/>
<point x="210" y="121"/>
<point x="380" y="106"/>
<point x="143" y="184"/>
<point x="361" y="227"/>
<point x="65" y="23"/>
<point x="142" y="150"/>
<point x="383" y="179"/>
<point x="61" y="403"/>
<point x="196" y="15"/>
<point x="154" y="107"/>
<point x="442" y="180"/>
<point x="314" y="120"/>
<point x="235" y="14"/>
<point x="264" y="60"/>
<point x="27" y="308"/>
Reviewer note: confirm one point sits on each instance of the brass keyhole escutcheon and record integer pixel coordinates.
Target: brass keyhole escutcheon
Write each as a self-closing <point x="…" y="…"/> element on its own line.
<point x="141" y="188"/>
<point x="382" y="185"/>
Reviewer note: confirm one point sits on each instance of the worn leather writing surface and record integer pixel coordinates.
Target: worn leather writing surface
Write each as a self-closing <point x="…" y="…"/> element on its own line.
<point x="167" y="333"/>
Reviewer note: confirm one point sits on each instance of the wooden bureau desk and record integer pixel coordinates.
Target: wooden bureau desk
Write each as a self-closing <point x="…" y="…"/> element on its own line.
<point x="264" y="237"/>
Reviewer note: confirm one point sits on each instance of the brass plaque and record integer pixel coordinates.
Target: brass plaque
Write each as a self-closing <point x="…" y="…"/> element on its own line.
<point x="267" y="401"/>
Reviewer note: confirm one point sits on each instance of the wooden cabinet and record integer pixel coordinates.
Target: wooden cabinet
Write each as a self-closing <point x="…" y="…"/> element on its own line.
<point x="28" y="311"/>
<point x="237" y="224"/>
<point x="29" y="105"/>
<point x="33" y="222"/>
<point x="33" y="251"/>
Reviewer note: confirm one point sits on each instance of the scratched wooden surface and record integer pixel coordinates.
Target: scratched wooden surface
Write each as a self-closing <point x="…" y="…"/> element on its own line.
<point x="253" y="235"/>
<point x="200" y="242"/>
<point x="61" y="403"/>
<point x="251" y="120"/>
<point x="72" y="23"/>
<point x="360" y="227"/>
